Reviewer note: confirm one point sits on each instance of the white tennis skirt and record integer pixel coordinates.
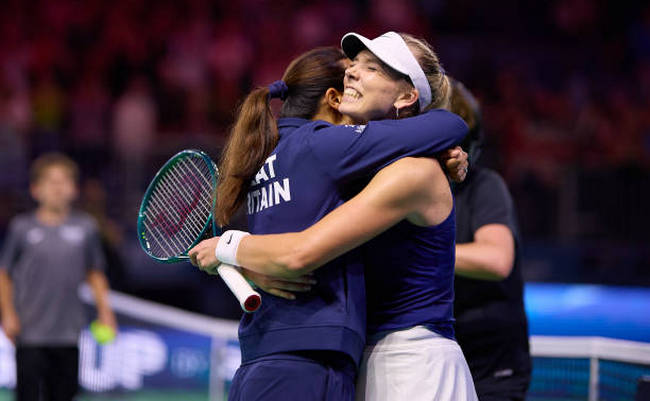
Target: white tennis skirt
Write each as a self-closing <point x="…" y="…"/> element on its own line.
<point x="414" y="365"/>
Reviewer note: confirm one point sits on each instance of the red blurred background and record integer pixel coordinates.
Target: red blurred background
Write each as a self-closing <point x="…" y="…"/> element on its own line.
<point x="121" y="85"/>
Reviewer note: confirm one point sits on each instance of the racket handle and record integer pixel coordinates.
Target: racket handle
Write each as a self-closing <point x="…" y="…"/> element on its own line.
<point x="248" y="298"/>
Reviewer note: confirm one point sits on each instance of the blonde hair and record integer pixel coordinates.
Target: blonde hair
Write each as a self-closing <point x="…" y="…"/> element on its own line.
<point x="432" y="68"/>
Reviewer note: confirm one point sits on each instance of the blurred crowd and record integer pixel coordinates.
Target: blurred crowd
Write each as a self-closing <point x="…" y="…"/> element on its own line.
<point x="121" y="85"/>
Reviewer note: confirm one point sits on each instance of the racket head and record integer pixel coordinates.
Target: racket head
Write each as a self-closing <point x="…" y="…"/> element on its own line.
<point x="176" y="210"/>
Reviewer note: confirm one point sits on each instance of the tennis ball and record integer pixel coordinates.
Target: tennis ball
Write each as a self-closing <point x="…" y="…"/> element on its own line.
<point x="102" y="333"/>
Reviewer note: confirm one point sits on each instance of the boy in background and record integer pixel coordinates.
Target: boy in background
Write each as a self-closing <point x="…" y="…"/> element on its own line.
<point x="47" y="254"/>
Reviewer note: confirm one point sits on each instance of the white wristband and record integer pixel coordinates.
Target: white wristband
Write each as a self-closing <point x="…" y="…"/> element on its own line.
<point x="226" y="251"/>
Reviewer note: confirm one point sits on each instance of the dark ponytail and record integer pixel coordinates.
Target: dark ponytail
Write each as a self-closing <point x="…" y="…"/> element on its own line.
<point x="255" y="133"/>
<point x="252" y="138"/>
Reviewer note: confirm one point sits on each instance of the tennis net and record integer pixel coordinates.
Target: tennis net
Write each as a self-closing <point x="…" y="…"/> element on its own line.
<point x="587" y="368"/>
<point x="160" y="353"/>
<point x="164" y="353"/>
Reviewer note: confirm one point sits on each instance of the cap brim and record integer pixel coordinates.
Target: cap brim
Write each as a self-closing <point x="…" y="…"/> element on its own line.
<point x="353" y="43"/>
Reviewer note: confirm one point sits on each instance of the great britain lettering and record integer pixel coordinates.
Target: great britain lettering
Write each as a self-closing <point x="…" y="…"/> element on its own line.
<point x="272" y="191"/>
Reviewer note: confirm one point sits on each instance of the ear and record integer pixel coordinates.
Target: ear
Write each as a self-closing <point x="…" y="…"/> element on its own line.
<point x="333" y="98"/>
<point x="406" y="98"/>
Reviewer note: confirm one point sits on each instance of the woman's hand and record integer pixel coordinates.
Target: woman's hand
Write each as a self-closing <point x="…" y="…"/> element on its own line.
<point x="203" y="257"/>
<point x="280" y="287"/>
<point x="456" y="163"/>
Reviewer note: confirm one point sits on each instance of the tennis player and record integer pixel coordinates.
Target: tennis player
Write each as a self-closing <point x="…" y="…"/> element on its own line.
<point x="410" y="324"/>
<point x="319" y="337"/>
<point x="47" y="254"/>
<point x="491" y="324"/>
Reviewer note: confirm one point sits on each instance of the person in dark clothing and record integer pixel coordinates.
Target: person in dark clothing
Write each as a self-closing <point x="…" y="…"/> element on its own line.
<point x="48" y="253"/>
<point x="491" y="324"/>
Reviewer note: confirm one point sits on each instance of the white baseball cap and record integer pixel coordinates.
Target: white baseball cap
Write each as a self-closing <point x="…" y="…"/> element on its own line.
<point x="394" y="52"/>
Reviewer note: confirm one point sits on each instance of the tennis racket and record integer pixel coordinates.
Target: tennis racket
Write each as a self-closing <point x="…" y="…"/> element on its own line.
<point x="176" y="213"/>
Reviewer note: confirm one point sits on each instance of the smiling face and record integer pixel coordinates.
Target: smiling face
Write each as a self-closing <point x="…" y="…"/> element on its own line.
<point x="373" y="91"/>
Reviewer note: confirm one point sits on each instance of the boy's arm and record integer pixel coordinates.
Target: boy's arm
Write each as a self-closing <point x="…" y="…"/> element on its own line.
<point x="10" y="321"/>
<point x="99" y="286"/>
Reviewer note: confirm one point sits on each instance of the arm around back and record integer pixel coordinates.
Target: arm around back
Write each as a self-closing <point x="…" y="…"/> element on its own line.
<point x="411" y="188"/>
<point x="349" y="152"/>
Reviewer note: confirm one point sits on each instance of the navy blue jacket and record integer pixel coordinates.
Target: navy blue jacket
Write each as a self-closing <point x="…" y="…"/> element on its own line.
<point x="303" y="179"/>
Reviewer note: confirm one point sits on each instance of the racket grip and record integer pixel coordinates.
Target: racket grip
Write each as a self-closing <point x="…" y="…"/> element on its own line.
<point x="248" y="298"/>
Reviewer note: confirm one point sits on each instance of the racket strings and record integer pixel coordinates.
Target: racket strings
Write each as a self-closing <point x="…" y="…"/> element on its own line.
<point x="180" y="235"/>
<point x="193" y="198"/>
<point x="157" y="209"/>
<point x="157" y="226"/>
<point x="203" y="210"/>
<point x="163" y="209"/>
<point x="179" y="207"/>
<point x="185" y="202"/>
<point x="206" y="196"/>
<point x="168" y="189"/>
<point x="161" y="250"/>
<point x="203" y="173"/>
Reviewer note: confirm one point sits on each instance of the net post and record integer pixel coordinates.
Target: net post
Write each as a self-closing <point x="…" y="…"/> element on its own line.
<point x="593" y="378"/>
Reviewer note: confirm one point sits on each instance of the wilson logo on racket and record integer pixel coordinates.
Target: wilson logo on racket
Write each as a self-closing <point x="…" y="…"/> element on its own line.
<point x="163" y="221"/>
<point x="176" y="213"/>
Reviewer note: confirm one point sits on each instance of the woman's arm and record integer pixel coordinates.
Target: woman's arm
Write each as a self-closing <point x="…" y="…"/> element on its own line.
<point x="409" y="188"/>
<point x="349" y="152"/>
